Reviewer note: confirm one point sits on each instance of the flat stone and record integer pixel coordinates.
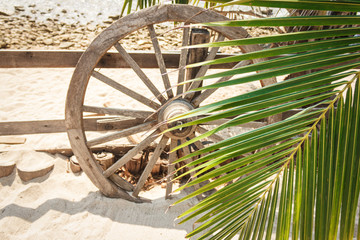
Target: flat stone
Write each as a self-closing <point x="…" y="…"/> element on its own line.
<point x="91" y="27"/>
<point x="115" y="17"/>
<point x="3" y="44"/>
<point x="48" y="41"/>
<point x="6" y="11"/>
<point x="108" y="21"/>
<point x="19" y="8"/>
<point x="64" y="45"/>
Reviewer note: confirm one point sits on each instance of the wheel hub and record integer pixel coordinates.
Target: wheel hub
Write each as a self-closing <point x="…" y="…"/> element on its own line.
<point x="173" y="109"/>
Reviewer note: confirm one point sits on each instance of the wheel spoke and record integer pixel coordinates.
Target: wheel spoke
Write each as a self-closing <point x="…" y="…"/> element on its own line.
<point x="160" y="61"/>
<point x="213" y="137"/>
<point x="253" y="124"/>
<point x="125" y="90"/>
<point x="187" y="161"/>
<point x="118" y="111"/>
<point x="203" y="69"/>
<point x="139" y="72"/>
<point x="182" y="62"/>
<point x="171" y="169"/>
<point x="150" y="165"/>
<point x="205" y="94"/>
<point x="130" y="154"/>
<point x="123" y="133"/>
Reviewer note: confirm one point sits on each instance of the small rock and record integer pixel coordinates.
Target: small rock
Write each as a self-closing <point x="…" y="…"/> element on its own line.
<point x="64" y="45"/>
<point x="108" y="21"/>
<point x="6" y="12"/>
<point x="91" y="27"/>
<point x="115" y="17"/>
<point x="3" y="44"/>
<point x="64" y="11"/>
<point x="19" y="8"/>
<point x="65" y="37"/>
<point x="32" y="5"/>
<point x="48" y="41"/>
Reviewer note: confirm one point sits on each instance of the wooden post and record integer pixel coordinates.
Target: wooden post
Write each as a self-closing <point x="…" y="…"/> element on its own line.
<point x="197" y="36"/>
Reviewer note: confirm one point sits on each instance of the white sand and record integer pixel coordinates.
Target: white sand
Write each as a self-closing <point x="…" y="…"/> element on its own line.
<point x="61" y="205"/>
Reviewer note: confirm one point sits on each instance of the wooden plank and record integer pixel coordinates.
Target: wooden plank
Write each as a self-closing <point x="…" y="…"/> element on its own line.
<point x="69" y="59"/>
<point x="195" y="55"/>
<point x="56" y="126"/>
<point x="123" y="133"/>
<point x="182" y="60"/>
<point x="117" y="149"/>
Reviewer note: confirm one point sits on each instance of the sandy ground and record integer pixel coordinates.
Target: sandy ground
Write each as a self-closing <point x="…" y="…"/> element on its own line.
<point x="62" y="205"/>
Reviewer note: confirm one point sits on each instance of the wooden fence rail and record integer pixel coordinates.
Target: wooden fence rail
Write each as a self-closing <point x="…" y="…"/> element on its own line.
<point x="69" y="59"/>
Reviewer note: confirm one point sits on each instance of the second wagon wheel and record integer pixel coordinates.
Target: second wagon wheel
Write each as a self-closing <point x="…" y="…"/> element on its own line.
<point x="157" y="107"/>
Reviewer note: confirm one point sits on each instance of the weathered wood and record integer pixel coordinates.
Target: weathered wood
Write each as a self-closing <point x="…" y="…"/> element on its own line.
<point x="99" y="47"/>
<point x="74" y="164"/>
<point x="118" y="111"/>
<point x="56" y="126"/>
<point x="125" y="90"/>
<point x="118" y="149"/>
<point x="160" y="61"/>
<point x="105" y="159"/>
<point x="134" y="165"/>
<point x="122" y="183"/>
<point x="192" y="173"/>
<point x="150" y="165"/>
<point x="69" y="59"/>
<point x="171" y="168"/>
<point x="140" y="73"/>
<point x="200" y="55"/>
<point x="130" y="154"/>
<point x="34" y="165"/>
<point x="6" y="167"/>
<point x="182" y="60"/>
<point x="123" y="133"/>
<point x="195" y="55"/>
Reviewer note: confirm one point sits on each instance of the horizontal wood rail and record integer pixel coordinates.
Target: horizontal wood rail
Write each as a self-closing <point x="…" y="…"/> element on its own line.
<point x="93" y="124"/>
<point x="69" y="59"/>
<point x="58" y="125"/>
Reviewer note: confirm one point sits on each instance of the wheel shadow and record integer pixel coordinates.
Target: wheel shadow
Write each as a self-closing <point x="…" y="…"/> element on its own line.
<point x="117" y="210"/>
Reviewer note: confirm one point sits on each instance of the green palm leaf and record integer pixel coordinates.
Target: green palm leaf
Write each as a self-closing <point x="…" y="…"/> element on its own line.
<point x="302" y="178"/>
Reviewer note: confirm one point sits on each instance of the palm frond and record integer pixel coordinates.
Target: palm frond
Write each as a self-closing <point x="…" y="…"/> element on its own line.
<point x="302" y="178"/>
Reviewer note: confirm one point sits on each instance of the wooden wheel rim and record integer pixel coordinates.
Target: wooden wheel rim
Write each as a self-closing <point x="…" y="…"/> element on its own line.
<point x="101" y="44"/>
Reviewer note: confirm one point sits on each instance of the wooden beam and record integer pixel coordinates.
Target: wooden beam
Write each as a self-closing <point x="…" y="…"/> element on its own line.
<point x="69" y="59"/>
<point x="56" y="126"/>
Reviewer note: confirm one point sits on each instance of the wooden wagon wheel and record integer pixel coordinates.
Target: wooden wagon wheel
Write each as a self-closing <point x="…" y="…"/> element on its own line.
<point x="107" y="181"/>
